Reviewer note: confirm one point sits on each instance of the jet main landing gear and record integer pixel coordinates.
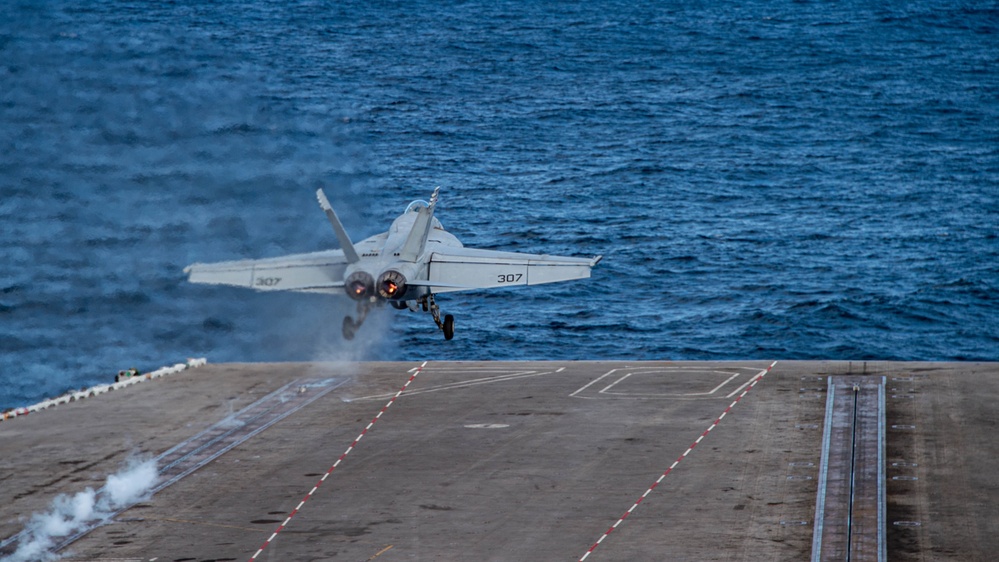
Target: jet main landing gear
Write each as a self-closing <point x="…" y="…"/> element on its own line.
<point x="444" y="322"/>
<point x="350" y="326"/>
<point x="447" y="325"/>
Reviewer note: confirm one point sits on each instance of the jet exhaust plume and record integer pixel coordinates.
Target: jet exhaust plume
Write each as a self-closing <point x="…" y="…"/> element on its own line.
<point x="70" y="514"/>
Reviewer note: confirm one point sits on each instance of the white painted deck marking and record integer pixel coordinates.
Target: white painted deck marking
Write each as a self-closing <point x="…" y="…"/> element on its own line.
<point x="337" y="463"/>
<point x="466" y="384"/>
<point x="728" y="380"/>
<point x="736" y="391"/>
<point x="759" y="376"/>
<point x="732" y="374"/>
<point x="591" y="383"/>
<point x="611" y="385"/>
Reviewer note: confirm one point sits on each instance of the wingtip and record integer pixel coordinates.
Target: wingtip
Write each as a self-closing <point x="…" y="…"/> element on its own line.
<point x="596" y="260"/>
<point x="323" y="201"/>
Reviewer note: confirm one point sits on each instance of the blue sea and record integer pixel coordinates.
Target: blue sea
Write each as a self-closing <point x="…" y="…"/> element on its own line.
<point x="766" y="179"/>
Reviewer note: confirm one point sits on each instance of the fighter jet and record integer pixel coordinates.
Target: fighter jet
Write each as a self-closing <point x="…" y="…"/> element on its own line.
<point x="405" y="267"/>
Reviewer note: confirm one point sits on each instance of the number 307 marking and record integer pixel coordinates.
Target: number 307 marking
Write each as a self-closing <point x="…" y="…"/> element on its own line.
<point x="268" y="281"/>
<point x="510" y="277"/>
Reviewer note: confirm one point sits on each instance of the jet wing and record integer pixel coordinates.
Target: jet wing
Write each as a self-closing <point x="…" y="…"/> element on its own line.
<point x="317" y="272"/>
<point x="463" y="269"/>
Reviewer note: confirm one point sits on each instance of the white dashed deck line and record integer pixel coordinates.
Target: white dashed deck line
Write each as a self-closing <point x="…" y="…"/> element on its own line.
<point x="415" y="372"/>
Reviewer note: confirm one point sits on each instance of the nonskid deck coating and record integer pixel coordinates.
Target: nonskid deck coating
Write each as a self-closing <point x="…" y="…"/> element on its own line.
<point x="525" y="461"/>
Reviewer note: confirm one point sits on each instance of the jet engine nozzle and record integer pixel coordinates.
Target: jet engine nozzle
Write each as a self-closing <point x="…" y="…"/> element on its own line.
<point x="360" y="285"/>
<point x="391" y="284"/>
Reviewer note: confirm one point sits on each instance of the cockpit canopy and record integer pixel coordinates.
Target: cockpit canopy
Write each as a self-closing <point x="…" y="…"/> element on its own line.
<point x="415" y="206"/>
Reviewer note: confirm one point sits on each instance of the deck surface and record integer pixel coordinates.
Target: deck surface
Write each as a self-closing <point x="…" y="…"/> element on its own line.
<point x="508" y="461"/>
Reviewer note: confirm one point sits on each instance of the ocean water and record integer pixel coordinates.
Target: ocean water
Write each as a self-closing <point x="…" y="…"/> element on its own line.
<point x="786" y="180"/>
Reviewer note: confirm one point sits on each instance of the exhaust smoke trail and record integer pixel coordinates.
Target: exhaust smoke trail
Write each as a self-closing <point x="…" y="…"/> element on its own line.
<point x="70" y="514"/>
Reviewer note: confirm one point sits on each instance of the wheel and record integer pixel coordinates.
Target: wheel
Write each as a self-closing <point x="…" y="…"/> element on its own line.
<point x="349" y="329"/>
<point x="448" y="327"/>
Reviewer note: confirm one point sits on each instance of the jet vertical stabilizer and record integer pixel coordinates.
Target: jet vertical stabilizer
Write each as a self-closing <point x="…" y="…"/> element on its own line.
<point x="348" y="247"/>
<point x="417" y="239"/>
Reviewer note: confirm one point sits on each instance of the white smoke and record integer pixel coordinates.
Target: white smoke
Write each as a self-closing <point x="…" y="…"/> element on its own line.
<point x="129" y="485"/>
<point x="70" y="514"/>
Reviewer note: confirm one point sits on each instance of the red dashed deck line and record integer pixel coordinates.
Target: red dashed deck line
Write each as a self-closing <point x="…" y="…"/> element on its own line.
<point x="759" y="376"/>
<point x="337" y="463"/>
